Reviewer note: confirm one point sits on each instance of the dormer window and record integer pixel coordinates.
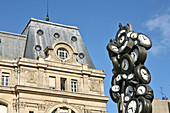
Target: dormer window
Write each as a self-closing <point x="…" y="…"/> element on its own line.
<point x="62" y="53"/>
<point x="40" y="32"/>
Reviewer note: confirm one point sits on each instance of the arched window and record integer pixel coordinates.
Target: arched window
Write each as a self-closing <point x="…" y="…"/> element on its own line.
<point x="3" y="108"/>
<point x="63" y="110"/>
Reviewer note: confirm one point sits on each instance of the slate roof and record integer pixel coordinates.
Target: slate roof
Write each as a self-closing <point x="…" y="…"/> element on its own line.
<point x="29" y="38"/>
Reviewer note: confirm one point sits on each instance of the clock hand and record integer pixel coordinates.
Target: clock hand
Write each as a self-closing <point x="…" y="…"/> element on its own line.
<point x="141" y="90"/>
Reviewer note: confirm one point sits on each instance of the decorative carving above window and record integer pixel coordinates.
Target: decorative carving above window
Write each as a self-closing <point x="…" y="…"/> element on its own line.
<point x="61" y="51"/>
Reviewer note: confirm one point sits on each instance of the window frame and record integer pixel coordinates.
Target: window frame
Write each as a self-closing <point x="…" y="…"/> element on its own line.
<point x="63" y="86"/>
<point x="74" y="85"/>
<point x="5" y="79"/>
<point x="62" y="53"/>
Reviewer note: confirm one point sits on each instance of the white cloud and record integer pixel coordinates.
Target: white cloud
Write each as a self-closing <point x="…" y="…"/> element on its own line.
<point x="160" y="22"/>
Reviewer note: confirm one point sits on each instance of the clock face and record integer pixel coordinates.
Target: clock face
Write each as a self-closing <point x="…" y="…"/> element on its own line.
<point x="140" y="106"/>
<point x="129" y="34"/>
<point x="120" y="32"/>
<point x="144" y="74"/>
<point x="122" y="38"/>
<point x="132" y="107"/>
<point x="130" y="76"/>
<point x="143" y="105"/>
<point x="114" y="96"/>
<point x="114" y="48"/>
<point x="134" y="35"/>
<point x="129" y="91"/>
<point x="141" y="90"/>
<point x="118" y="78"/>
<point x="144" y="41"/>
<point x="135" y="54"/>
<point x="123" y="46"/>
<point x="125" y="64"/>
<point x="127" y="98"/>
<point x="124" y="76"/>
<point x="115" y="88"/>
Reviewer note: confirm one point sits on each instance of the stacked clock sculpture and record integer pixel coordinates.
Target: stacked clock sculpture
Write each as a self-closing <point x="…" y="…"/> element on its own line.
<point x="130" y="89"/>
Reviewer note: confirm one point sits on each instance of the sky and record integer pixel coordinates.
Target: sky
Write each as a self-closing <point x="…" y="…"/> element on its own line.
<point x="98" y="22"/>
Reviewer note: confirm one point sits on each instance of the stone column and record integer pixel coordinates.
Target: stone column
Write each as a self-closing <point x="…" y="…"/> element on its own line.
<point x="68" y="84"/>
<point x="57" y="83"/>
<point x="58" y="110"/>
<point x="69" y="110"/>
<point x="85" y="84"/>
<point x="40" y="81"/>
<point x="22" y="107"/>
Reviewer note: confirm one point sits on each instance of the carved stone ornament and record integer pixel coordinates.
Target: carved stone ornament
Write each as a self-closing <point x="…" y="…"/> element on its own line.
<point x="94" y="85"/>
<point x="42" y="107"/>
<point x="31" y="77"/>
<point x="87" y="111"/>
<point x="21" y="104"/>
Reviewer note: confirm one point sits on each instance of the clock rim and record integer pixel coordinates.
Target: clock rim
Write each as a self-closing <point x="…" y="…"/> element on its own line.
<point x="147" y="47"/>
<point x="137" y="105"/>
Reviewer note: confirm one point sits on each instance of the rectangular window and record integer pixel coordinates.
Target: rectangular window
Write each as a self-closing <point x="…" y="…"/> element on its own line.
<point x="5" y="79"/>
<point x="52" y="82"/>
<point x="63" y="84"/>
<point x="31" y="111"/>
<point x="74" y="85"/>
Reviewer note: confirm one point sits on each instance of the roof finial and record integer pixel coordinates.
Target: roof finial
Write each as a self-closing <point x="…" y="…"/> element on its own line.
<point x="47" y="17"/>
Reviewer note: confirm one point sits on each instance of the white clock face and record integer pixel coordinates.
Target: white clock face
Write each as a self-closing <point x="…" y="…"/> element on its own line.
<point x="115" y="88"/>
<point x="135" y="55"/>
<point x="128" y="34"/>
<point x="118" y="78"/>
<point x="134" y="35"/>
<point x="122" y="38"/>
<point x="130" y="76"/>
<point x="141" y="90"/>
<point x="144" y="39"/>
<point x="127" y="98"/>
<point x="122" y="31"/>
<point x="140" y="106"/>
<point x="129" y="91"/>
<point x="132" y="106"/>
<point x="124" y="45"/>
<point x="144" y="74"/>
<point x="114" y="48"/>
<point x="125" y="64"/>
<point x="124" y="76"/>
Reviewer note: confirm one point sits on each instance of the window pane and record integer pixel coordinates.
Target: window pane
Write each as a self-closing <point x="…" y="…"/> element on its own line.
<point x="62" y="53"/>
<point x="74" y="85"/>
<point x="3" y="109"/>
<point x="5" y="79"/>
<point x="63" y="84"/>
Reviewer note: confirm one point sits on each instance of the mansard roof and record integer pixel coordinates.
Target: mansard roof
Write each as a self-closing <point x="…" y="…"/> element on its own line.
<point x="43" y="34"/>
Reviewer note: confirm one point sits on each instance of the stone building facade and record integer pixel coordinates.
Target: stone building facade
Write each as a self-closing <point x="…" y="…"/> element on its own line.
<point x="47" y="69"/>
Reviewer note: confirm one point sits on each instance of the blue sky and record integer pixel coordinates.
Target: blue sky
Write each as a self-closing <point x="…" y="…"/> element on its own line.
<point x="98" y="22"/>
